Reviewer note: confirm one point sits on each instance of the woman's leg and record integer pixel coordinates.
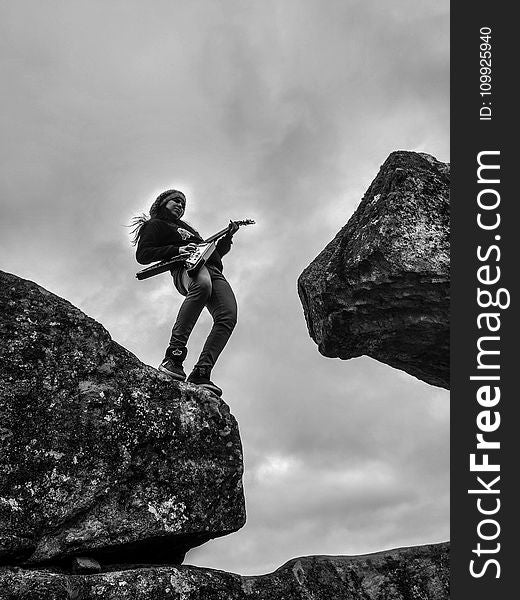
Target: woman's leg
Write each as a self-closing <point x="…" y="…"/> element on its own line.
<point x="199" y="290"/>
<point x="222" y="306"/>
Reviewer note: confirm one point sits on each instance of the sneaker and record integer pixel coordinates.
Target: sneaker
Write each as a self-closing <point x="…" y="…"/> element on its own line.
<point x="172" y="363"/>
<point x="173" y="369"/>
<point x="200" y="376"/>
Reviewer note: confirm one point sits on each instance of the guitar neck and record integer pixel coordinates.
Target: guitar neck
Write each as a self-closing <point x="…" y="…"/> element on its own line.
<point x="224" y="231"/>
<point x="214" y="237"/>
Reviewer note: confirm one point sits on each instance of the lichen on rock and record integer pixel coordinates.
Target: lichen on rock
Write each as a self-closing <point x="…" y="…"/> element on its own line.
<point x="100" y="454"/>
<point x="420" y="573"/>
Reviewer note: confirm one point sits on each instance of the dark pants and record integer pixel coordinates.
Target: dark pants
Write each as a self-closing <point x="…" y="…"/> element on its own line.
<point x="209" y="289"/>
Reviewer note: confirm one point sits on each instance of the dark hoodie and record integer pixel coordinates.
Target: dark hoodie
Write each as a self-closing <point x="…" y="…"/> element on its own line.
<point x="160" y="240"/>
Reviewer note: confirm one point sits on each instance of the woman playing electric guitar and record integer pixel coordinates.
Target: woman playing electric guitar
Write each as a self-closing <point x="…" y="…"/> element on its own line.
<point x="165" y="236"/>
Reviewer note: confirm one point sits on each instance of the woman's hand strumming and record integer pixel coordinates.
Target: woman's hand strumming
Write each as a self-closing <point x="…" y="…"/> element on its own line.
<point x="187" y="250"/>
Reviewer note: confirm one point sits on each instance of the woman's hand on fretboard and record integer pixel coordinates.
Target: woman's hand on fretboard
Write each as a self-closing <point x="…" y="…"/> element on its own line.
<point x="233" y="228"/>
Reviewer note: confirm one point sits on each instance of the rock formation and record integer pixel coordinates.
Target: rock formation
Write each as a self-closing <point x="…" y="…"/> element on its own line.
<point x="101" y="455"/>
<point x="420" y="573"/>
<point x="381" y="286"/>
<point x="111" y="472"/>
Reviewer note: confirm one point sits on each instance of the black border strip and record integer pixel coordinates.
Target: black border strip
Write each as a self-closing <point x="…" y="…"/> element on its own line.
<point x="471" y="134"/>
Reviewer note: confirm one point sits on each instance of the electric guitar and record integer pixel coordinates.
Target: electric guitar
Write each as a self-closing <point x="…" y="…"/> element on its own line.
<point x="195" y="260"/>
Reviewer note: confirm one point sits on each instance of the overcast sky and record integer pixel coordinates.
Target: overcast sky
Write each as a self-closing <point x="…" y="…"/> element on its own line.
<point x="277" y="110"/>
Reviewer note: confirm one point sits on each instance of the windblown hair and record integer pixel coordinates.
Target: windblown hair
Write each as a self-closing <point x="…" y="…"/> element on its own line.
<point x="158" y="210"/>
<point x="137" y="224"/>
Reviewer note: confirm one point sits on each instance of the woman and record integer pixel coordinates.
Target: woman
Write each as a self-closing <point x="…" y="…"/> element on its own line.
<point x="164" y="236"/>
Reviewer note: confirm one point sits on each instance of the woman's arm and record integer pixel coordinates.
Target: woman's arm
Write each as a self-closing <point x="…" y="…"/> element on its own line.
<point x="153" y="244"/>
<point x="225" y="243"/>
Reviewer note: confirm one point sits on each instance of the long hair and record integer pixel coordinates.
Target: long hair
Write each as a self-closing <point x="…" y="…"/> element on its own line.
<point x="158" y="210"/>
<point x="137" y="224"/>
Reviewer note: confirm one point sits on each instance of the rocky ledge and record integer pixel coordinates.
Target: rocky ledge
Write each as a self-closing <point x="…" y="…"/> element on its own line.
<point x="110" y="472"/>
<point x="381" y="286"/>
<point x="101" y="455"/>
<point x="420" y="573"/>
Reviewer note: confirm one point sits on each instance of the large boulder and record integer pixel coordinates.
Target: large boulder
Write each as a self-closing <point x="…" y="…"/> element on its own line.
<point x="101" y="455"/>
<point x="420" y="573"/>
<point x="381" y="286"/>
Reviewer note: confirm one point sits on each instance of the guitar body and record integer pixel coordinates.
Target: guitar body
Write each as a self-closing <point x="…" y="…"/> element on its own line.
<point x="195" y="261"/>
<point x="198" y="258"/>
<point x="161" y="267"/>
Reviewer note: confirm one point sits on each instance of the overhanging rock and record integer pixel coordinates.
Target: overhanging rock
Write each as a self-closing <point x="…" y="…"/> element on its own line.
<point x="381" y="286"/>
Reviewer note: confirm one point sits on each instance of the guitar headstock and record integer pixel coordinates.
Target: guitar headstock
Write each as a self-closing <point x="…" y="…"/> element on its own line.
<point x="245" y="222"/>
